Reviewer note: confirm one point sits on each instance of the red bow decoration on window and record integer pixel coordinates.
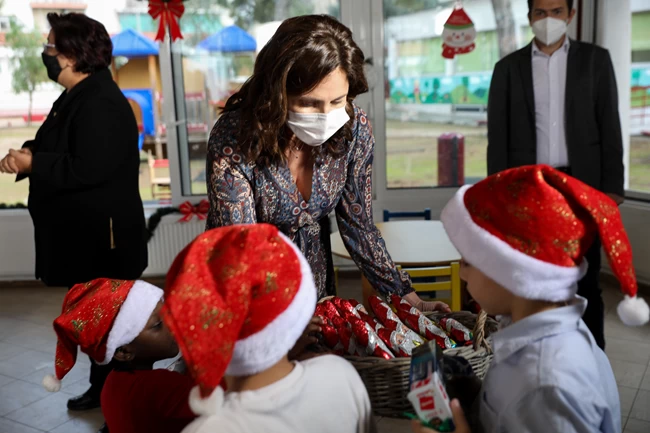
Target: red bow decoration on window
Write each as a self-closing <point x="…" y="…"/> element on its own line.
<point x="189" y="210"/>
<point x="169" y="12"/>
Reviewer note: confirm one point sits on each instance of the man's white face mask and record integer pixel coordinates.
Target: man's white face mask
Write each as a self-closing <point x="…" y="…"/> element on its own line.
<point x="315" y="129"/>
<point x="549" y="30"/>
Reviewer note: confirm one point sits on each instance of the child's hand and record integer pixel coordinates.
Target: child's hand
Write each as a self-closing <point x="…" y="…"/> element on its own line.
<point x="462" y="426"/>
<point x="417" y="427"/>
<point x="306" y="339"/>
<point x="459" y="421"/>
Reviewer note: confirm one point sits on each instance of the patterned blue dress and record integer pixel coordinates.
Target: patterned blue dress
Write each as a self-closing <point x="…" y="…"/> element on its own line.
<point x="246" y="193"/>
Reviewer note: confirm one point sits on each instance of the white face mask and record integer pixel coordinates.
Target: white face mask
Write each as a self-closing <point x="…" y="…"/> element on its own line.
<point x="315" y="129"/>
<point x="549" y="30"/>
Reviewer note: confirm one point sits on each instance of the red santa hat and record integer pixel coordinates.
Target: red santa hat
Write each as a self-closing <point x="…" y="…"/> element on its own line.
<point x="237" y="299"/>
<point x="528" y="229"/>
<point x="458" y="20"/>
<point x="99" y="317"/>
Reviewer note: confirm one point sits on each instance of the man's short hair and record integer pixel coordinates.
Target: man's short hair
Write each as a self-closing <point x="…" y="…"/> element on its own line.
<point x="530" y="5"/>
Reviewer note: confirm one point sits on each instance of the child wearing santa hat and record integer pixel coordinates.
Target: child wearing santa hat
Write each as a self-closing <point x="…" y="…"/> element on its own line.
<point x="237" y="299"/>
<point x="523" y="234"/>
<point x="119" y="321"/>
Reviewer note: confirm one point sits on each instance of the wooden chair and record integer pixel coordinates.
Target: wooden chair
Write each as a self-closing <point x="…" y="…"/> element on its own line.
<point x="160" y="185"/>
<point x="426" y="215"/>
<point x="453" y="285"/>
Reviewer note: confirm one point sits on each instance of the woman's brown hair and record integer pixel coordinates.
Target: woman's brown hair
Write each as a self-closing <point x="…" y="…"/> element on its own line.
<point x="302" y="52"/>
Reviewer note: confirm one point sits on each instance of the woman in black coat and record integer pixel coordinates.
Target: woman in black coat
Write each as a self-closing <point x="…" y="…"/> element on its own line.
<point x="83" y="165"/>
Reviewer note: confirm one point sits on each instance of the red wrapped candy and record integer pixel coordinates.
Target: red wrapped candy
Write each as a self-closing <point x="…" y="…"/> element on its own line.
<point x="457" y="330"/>
<point x="327" y="309"/>
<point x="419" y="322"/>
<point x="348" y="342"/>
<point x="374" y="323"/>
<point x="400" y="304"/>
<point x="358" y="306"/>
<point x="339" y="322"/>
<point x="368" y="339"/>
<point x="391" y="321"/>
<point x="331" y="336"/>
<point x="344" y="306"/>
<point x="400" y="344"/>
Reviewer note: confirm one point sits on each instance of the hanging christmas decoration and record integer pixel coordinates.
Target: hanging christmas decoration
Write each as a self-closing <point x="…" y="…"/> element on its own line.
<point x="459" y="33"/>
<point x="189" y="210"/>
<point x="169" y="12"/>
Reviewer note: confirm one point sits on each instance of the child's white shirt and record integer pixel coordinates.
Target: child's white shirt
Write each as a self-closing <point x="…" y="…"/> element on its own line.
<point x="321" y="395"/>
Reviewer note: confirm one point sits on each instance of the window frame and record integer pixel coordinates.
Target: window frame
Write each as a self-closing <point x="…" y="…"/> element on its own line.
<point x="365" y="18"/>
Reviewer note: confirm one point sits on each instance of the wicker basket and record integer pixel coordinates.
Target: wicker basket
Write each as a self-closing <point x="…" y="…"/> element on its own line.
<point x="387" y="381"/>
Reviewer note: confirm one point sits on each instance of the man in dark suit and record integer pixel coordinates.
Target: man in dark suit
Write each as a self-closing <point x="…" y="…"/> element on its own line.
<point x="555" y="102"/>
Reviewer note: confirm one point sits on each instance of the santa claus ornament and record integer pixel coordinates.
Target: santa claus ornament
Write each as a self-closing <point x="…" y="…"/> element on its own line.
<point x="459" y="34"/>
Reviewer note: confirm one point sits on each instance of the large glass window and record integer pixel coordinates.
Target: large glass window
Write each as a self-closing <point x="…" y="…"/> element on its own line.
<point x="209" y="70"/>
<point x="639" y="173"/>
<point x="430" y="99"/>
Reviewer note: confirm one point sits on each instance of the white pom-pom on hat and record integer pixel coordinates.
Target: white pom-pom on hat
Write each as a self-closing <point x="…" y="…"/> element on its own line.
<point x="206" y="406"/>
<point x="51" y="383"/>
<point x="633" y="311"/>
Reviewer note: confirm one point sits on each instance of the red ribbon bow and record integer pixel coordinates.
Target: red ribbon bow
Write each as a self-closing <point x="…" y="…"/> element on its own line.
<point x="169" y="12"/>
<point x="189" y="210"/>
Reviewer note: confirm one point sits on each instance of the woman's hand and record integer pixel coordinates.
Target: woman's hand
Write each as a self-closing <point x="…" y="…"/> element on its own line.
<point x="413" y="299"/>
<point x="307" y="338"/>
<point x="23" y="160"/>
<point x="8" y="165"/>
<point x="460" y="422"/>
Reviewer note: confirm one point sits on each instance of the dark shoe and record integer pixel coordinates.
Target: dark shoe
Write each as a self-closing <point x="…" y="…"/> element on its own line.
<point x="103" y="429"/>
<point x="87" y="401"/>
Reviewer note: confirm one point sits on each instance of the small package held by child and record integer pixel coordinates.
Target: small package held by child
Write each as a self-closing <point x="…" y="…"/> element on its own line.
<point x="427" y="388"/>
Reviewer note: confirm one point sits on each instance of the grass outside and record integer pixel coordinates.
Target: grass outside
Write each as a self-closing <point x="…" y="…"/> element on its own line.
<point x="412" y="154"/>
<point x="412" y="159"/>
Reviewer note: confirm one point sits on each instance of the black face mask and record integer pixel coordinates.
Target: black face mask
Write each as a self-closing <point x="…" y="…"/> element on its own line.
<point x="52" y="65"/>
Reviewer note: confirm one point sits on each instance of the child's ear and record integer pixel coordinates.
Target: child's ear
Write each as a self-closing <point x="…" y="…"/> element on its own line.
<point x="124" y="354"/>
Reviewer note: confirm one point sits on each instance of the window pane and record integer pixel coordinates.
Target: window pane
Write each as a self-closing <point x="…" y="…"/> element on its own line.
<point x="211" y="65"/>
<point x="640" y="102"/>
<point x="429" y="96"/>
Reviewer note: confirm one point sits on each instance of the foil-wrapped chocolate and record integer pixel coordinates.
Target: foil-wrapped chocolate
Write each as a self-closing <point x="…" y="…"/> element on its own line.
<point x="348" y="340"/>
<point x="344" y="306"/>
<point x="327" y="309"/>
<point x="368" y="339"/>
<point x="420" y="323"/>
<point x="374" y="323"/>
<point x="331" y="336"/>
<point x="457" y="330"/>
<point x="339" y="322"/>
<point x="358" y="306"/>
<point x="397" y="342"/>
<point x="388" y="318"/>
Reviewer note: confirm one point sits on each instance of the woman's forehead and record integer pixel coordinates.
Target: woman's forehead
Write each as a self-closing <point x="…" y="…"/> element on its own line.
<point x="331" y="87"/>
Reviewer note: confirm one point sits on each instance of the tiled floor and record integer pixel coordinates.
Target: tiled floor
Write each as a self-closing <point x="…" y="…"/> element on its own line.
<point x="27" y="354"/>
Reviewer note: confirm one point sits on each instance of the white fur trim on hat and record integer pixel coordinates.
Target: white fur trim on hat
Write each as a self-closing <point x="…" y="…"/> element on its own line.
<point x="520" y="273"/>
<point x="633" y="311"/>
<point x="262" y="350"/>
<point x="132" y="317"/>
